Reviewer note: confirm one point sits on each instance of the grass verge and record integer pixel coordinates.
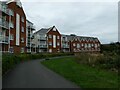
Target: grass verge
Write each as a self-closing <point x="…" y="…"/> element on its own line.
<point x="83" y="75"/>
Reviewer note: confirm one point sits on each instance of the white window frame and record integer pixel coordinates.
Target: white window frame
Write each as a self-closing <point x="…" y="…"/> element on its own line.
<point x="82" y="44"/>
<point x="22" y="39"/>
<point x="58" y="37"/>
<point x="54" y="41"/>
<point x="58" y="43"/>
<point x="11" y="37"/>
<point x="11" y="12"/>
<point x="50" y="43"/>
<point x="11" y="24"/>
<point x="74" y="44"/>
<point x="22" y="29"/>
<point x="50" y="36"/>
<point x="22" y="50"/>
<point x="11" y="50"/>
<point x="22" y="19"/>
<point x="50" y="50"/>
<point x="78" y="45"/>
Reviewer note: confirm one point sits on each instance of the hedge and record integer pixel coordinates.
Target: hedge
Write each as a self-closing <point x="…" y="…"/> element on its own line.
<point x="10" y="60"/>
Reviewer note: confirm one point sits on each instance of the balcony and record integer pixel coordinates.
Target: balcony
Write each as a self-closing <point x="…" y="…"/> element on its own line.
<point x="4" y="23"/>
<point x="31" y="27"/>
<point x="43" y="38"/>
<point x="33" y="45"/>
<point x="4" y="9"/>
<point x="42" y="46"/>
<point x="65" y="46"/>
<point x="4" y="39"/>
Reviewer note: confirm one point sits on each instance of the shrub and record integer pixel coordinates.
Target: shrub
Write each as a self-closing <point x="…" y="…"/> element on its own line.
<point x="108" y="61"/>
<point x="10" y="60"/>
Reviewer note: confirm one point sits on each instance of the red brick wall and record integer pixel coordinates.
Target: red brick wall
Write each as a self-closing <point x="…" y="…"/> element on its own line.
<point x="51" y="32"/>
<point x="16" y="9"/>
<point x="82" y="48"/>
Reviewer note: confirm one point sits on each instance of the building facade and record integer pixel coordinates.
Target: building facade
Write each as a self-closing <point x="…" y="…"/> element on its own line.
<point x="85" y="44"/>
<point x="29" y="36"/>
<point x="50" y="40"/>
<point x="13" y="27"/>
<point x="16" y="34"/>
<point x="17" y="22"/>
<point x="47" y="40"/>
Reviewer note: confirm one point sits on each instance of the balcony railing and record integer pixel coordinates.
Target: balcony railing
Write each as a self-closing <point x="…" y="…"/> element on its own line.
<point x="4" y="39"/>
<point x="65" y="46"/>
<point x="31" y="27"/>
<point x="4" y="23"/>
<point x="4" y="9"/>
<point x="42" y="46"/>
<point x="42" y="38"/>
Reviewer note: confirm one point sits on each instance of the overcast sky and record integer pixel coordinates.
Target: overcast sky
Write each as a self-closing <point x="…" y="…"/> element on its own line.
<point x="96" y="19"/>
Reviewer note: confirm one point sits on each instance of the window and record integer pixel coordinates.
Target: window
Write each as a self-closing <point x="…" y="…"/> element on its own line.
<point x="76" y="39"/>
<point x="22" y="50"/>
<point x="22" y="29"/>
<point x="22" y="19"/>
<point x="50" y="36"/>
<point x="22" y="40"/>
<point x="92" y="45"/>
<point x="11" y="24"/>
<point x="78" y="45"/>
<point x="82" y="44"/>
<point x="11" y="12"/>
<point x="89" y="45"/>
<point x="58" y="44"/>
<point x="85" y="45"/>
<point x="11" y="37"/>
<point x="54" y="41"/>
<point x="50" y="50"/>
<point x="95" y="45"/>
<point x="74" y="44"/>
<point x="58" y="37"/>
<point x="50" y="43"/>
<point x="1" y="33"/>
<point x="11" y="49"/>
<point x="98" y="45"/>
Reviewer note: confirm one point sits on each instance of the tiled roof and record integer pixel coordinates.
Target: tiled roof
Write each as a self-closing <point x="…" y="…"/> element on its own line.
<point x="43" y="30"/>
<point x="71" y="37"/>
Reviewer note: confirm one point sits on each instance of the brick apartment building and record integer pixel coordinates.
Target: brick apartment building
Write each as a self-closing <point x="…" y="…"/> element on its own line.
<point x="16" y="34"/>
<point x="15" y="30"/>
<point x="47" y="40"/>
<point x="84" y="44"/>
<point x="50" y="40"/>
<point x="17" y="20"/>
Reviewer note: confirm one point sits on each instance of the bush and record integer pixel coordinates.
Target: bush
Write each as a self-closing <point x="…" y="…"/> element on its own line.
<point x="109" y="61"/>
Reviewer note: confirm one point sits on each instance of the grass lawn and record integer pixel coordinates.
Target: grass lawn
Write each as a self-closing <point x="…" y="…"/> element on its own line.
<point x="83" y="75"/>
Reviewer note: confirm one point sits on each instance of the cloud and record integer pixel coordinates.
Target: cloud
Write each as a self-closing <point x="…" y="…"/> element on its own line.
<point x="81" y="18"/>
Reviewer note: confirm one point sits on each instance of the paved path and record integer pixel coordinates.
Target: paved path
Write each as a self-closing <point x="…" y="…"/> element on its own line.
<point x="32" y="74"/>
